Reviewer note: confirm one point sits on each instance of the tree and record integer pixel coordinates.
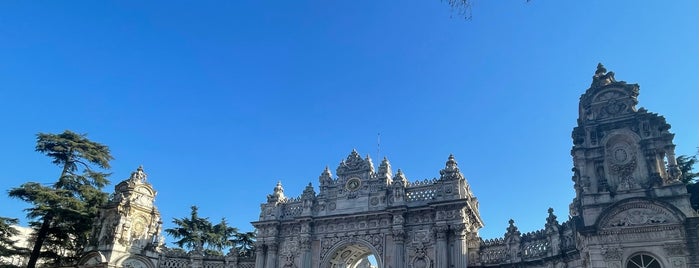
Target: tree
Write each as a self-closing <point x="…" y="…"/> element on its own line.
<point x="244" y="243"/>
<point x="686" y="165"/>
<point x="220" y="235"/>
<point x="191" y="232"/>
<point x="62" y="213"/>
<point x="7" y="247"/>
<point x="197" y="233"/>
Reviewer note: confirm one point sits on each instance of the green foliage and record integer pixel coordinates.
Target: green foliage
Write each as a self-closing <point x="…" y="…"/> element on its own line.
<point x="7" y="247"/>
<point x="199" y="234"/>
<point x="62" y="214"/>
<point x="244" y="243"/>
<point x="191" y="231"/>
<point x="686" y="165"/>
<point x="220" y="234"/>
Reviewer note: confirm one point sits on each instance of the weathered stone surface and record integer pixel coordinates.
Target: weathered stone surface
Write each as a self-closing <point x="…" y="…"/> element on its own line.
<point x="628" y="208"/>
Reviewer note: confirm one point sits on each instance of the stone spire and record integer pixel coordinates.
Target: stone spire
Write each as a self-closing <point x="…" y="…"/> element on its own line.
<point x="551" y="221"/>
<point x="326" y="178"/>
<point x="385" y="173"/>
<point x="369" y="163"/>
<point x="512" y="231"/>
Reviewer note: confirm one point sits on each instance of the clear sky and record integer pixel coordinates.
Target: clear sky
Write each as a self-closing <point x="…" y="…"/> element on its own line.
<point x="218" y="100"/>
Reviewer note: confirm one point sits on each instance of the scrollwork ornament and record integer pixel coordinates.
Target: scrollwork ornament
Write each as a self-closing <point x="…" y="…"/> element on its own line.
<point x="612" y="254"/>
<point x="674" y="249"/>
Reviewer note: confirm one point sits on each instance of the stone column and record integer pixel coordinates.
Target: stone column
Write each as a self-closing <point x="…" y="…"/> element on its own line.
<point x="441" y="256"/>
<point x="271" y="261"/>
<point x="305" y="245"/>
<point x="460" y="250"/>
<point x="399" y="249"/>
<point x="260" y="255"/>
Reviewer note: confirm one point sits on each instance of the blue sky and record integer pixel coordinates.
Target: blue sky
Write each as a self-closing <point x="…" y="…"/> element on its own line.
<point x="220" y="100"/>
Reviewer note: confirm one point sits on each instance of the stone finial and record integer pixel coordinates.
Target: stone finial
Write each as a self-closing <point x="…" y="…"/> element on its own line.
<point x="400" y="179"/>
<point x="138" y="175"/>
<point x="308" y="193"/>
<point x="451" y="170"/>
<point x="602" y="77"/>
<point x="551" y="220"/>
<point x="277" y="195"/>
<point x="600" y="69"/>
<point x="512" y="230"/>
<point x="325" y="177"/>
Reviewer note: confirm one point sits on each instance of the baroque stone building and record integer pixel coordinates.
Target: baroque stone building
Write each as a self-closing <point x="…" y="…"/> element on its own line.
<point x="629" y="210"/>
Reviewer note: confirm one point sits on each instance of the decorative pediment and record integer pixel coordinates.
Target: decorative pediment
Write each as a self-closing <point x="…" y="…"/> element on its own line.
<point x="638" y="213"/>
<point x="355" y="164"/>
<point x="607" y="97"/>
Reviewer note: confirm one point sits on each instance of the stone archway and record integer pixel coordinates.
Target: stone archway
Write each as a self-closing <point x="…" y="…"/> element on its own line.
<point x="352" y="254"/>
<point x="367" y="212"/>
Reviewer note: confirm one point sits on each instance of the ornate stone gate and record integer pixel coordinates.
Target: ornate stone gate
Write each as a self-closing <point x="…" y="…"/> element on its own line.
<point x="364" y="212"/>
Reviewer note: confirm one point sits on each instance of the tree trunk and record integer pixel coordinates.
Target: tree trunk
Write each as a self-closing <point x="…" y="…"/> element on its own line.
<point x="43" y="231"/>
<point x="40" y="237"/>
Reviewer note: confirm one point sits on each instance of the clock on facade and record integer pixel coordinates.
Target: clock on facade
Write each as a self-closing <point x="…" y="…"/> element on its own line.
<point x="353" y="184"/>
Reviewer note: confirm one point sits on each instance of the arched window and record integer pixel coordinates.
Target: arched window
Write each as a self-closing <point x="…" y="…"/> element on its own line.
<point x="643" y="261"/>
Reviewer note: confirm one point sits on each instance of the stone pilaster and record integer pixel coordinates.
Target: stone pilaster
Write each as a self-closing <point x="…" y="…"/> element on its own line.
<point x="305" y="246"/>
<point x="441" y="254"/>
<point x="271" y="261"/>
<point x="399" y="249"/>
<point x="460" y="249"/>
<point x="260" y="256"/>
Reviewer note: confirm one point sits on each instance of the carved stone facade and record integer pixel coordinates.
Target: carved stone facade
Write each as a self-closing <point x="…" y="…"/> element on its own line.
<point x="629" y="210"/>
<point x="629" y="206"/>
<point x="363" y="212"/>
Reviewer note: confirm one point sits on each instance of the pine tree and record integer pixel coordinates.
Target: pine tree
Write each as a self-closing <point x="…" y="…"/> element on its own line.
<point x="62" y="213"/>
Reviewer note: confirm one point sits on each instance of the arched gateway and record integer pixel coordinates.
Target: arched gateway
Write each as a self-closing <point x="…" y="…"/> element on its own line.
<point x="367" y="218"/>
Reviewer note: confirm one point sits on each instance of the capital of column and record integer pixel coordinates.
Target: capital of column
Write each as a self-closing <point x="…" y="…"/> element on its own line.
<point x="459" y="230"/>
<point x="305" y="242"/>
<point x="399" y="235"/>
<point x="440" y="231"/>
<point x="272" y="246"/>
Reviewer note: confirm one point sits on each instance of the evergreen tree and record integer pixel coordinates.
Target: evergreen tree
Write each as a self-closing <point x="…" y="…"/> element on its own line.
<point x="686" y="165"/>
<point x="7" y="244"/>
<point x="62" y="213"/>
<point x="197" y="233"/>
<point x="192" y="232"/>
<point x="244" y="243"/>
<point x="220" y="236"/>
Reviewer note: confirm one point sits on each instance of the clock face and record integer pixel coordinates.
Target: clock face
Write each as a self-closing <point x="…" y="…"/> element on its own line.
<point x="353" y="184"/>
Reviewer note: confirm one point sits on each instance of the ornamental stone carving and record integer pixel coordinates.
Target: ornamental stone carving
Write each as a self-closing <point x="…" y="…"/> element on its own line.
<point x="628" y="203"/>
<point x="612" y="254"/>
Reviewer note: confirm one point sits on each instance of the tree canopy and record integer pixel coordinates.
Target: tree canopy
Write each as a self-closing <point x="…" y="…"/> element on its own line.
<point x="199" y="234"/>
<point x="62" y="214"/>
